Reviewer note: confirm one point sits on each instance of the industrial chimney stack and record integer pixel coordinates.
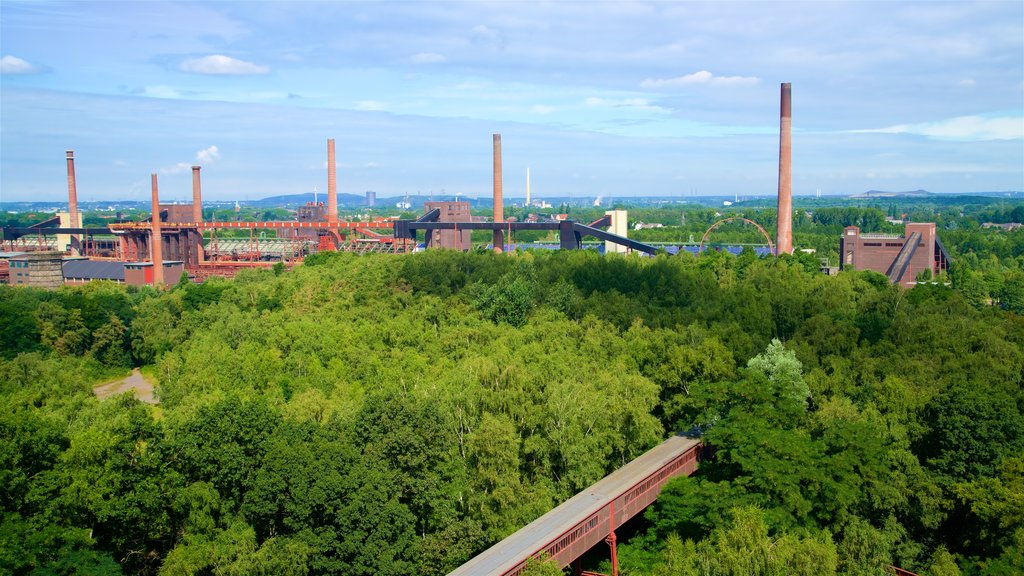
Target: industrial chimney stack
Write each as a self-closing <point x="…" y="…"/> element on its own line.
<point x="784" y="231"/>
<point x="499" y="210"/>
<point x="197" y="196"/>
<point x="527" y="187"/>
<point x="73" y="201"/>
<point x="155" y="243"/>
<point x="332" y="184"/>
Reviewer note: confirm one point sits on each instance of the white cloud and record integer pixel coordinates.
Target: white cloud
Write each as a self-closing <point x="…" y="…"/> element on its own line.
<point x="966" y="83"/>
<point x="204" y="156"/>
<point x="960" y="128"/>
<point x="370" y="105"/>
<point x="635" y="103"/>
<point x="208" y="155"/>
<point x="177" y="168"/>
<point x="542" y="109"/>
<point x="701" y="77"/>
<point x="160" y="92"/>
<point x="15" y="65"/>
<point x="485" y="36"/>
<point x="220" y="65"/>
<point x="428" y="58"/>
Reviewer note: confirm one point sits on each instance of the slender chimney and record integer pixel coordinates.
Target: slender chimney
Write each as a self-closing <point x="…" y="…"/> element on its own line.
<point x="499" y="209"/>
<point x="74" y="221"/>
<point x="527" y="187"/>
<point x="155" y="246"/>
<point x="784" y="232"/>
<point x="197" y="196"/>
<point x="332" y="184"/>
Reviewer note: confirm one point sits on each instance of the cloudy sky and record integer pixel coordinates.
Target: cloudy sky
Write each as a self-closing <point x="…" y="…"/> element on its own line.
<point x="614" y="99"/>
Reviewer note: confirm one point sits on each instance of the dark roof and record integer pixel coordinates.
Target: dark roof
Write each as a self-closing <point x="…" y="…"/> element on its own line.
<point x="167" y="263"/>
<point x="94" y="270"/>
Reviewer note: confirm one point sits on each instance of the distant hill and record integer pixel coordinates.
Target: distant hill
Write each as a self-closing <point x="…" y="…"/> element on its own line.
<point x="301" y="199"/>
<point x="887" y="194"/>
<point x="925" y="194"/>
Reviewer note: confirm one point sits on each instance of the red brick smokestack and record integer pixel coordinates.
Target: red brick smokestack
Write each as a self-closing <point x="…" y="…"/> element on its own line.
<point x="332" y="184"/>
<point x="197" y="196"/>
<point x="72" y="200"/>
<point x="784" y="232"/>
<point x="155" y="246"/>
<point x="499" y="209"/>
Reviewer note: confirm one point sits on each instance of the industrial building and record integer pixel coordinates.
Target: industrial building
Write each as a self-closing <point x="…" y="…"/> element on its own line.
<point x="142" y="273"/>
<point x="900" y="257"/>
<point x="450" y="212"/>
<point x="37" y="269"/>
<point x="175" y="232"/>
<point x="309" y="212"/>
<point x="83" y="270"/>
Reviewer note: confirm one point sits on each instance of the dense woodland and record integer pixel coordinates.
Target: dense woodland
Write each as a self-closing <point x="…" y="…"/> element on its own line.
<point x="394" y="415"/>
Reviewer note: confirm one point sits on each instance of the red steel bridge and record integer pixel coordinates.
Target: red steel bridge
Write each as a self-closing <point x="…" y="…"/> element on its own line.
<point x="592" y="516"/>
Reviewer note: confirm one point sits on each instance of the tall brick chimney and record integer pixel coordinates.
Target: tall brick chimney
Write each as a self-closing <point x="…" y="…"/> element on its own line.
<point x="75" y="221"/>
<point x="197" y="196"/>
<point x="499" y="209"/>
<point x="784" y="231"/>
<point x="332" y="184"/>
<point x="155" y="245"/>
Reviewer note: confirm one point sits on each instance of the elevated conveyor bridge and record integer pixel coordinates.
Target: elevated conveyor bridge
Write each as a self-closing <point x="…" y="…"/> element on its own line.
<point x="592" y="516"/>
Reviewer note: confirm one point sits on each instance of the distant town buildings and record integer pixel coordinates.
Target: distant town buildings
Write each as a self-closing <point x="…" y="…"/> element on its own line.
<point x="1009" y="226"/>
<point x="644" y="226"/>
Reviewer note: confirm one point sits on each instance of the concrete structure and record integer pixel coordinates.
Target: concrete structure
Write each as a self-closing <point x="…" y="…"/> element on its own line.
<point x="74" y="220"/>
<point x="901" y="258"/>
<point x="67" y="242"/>
<point x="371" y="198"/>
<point x="332" y="183"/>
<point x="37" y="269"/>
<point x="156" y="243"/>
<point x="143" y="273"/>
<point x="197" y="196"/>
<point x="620" y="227"/>
<point x="784" y="231"/>
<point x="450" y="212"/>
<point x="499" y="208"/>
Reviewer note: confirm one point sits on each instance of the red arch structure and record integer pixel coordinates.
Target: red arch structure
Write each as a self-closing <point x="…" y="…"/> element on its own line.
<point x="771" y="246"/>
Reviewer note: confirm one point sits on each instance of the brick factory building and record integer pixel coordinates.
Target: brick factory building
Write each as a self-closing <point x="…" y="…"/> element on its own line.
<point x="141" y="273"/>
<point x="450" y="212"/>
<point x="37" y="269"/>
<point x="310" y="212"/>
<point x="901" y="258"/>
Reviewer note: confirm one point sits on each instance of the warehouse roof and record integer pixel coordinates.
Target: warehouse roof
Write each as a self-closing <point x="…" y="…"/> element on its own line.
<point x="94" y="270"/>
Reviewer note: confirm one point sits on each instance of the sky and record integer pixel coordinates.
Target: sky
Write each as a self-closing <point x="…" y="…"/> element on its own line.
<point x="612" y="99"/>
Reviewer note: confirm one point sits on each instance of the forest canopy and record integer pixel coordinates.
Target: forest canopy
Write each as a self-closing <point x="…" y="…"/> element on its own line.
<point x="396" y="415"/>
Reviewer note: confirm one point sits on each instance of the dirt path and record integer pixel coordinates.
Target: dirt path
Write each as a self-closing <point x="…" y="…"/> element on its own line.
<point x="142" y="388"/>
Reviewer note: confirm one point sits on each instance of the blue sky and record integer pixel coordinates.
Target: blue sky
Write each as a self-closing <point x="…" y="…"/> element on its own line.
<point x="613" y="99"/>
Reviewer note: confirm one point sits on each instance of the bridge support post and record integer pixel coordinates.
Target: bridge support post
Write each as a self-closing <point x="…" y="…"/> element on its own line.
<point x="610" y="540"/>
